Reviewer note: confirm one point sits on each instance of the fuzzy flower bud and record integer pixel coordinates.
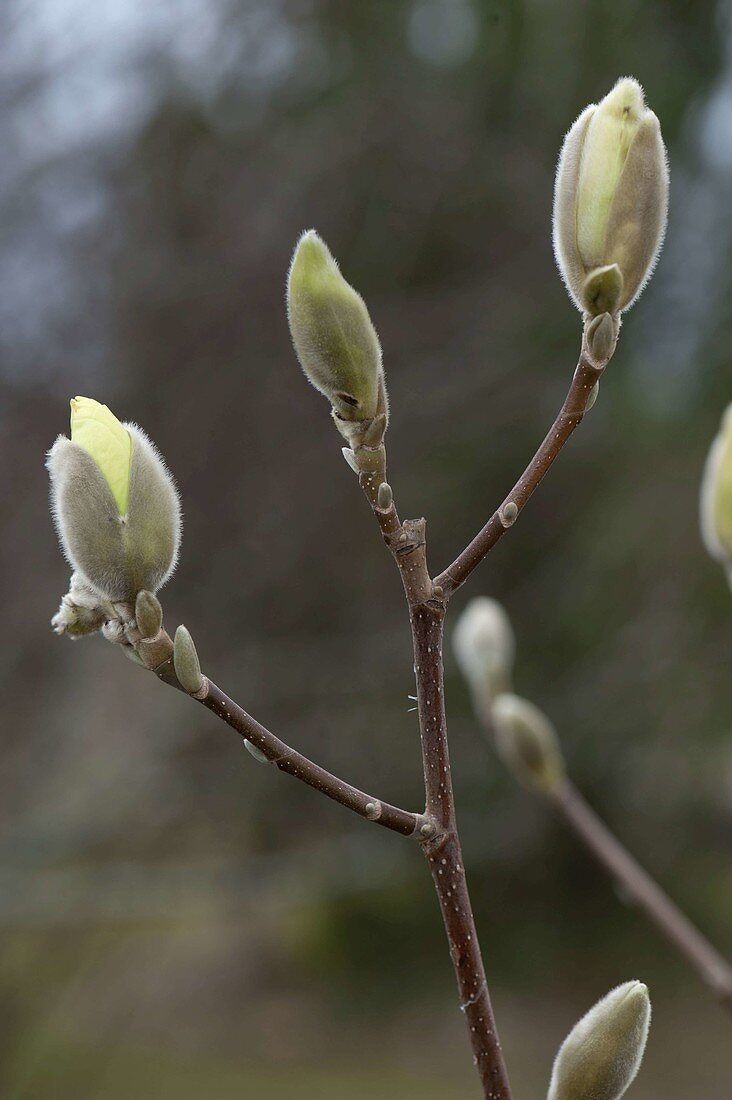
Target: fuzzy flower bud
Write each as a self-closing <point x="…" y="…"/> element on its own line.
<point x="333" y="336"/>
<point x="484" y="648"/>
<point x="527" y="743"/>
<point x="114" y="503"/>
<point x="716" y="496"/>
<point x="610" y="201"/>
<point x="602" y="1054"/>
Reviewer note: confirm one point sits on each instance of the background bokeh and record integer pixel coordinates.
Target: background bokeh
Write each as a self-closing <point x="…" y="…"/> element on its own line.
<point x="177" y="921"/>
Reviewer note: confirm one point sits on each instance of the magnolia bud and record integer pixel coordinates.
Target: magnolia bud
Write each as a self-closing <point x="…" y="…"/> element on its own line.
<point x="148" y="614"/>
<point x="114" y="502"/>
<point x="334" y="339"/>
<point x="602" y="1054"/>
<point x="610" y="201"/>
<point x="186" y="663"/>
<point x="716" y="495"/>
<point x="484" y="647"/>
<point x="527" y="743"/>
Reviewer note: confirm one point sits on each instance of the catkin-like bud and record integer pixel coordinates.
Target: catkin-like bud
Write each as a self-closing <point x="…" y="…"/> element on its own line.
<point x="114" y="503"/>
<point x="527" y="743"/>
<point x="334" y="339"/>
<point x="484" y="647"/>
<point x="610" y="201"/>
<point x="716" y="496"/>
<point x="602" y="1054"/>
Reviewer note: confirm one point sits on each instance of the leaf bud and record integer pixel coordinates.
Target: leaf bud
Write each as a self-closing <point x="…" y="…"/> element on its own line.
<point x="148" y="614"/>
<point x="115" y="505"/>
<point x="602" y="1054"/>
<point x="335" y="341"/>
<point x="484" y="647"/>
<point x="527" y="743"/>
<point x="610" y="201"/>
<point x="186" y="663"/>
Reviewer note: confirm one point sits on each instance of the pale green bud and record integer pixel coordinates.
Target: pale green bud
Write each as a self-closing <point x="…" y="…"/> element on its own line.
<point x="602" y="1054"/>
<point x="256" y="752"/>
<point x="114" y="503"/>
<point x="527" y="743"/>
<point x="334" y="339"/>
<point x="148" y="614"/>
<point x="716" y="495"/>
<point x="484" y="647"/>
<point x="610" y="201"/>
<point x="82" y="611"/>
<point x="186" y="663"/>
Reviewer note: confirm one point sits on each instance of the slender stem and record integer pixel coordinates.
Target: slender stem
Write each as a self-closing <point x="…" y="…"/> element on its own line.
<point x="441" y="842"/>
<point x="295" y="764"/>
<point x="445" y="857"/>
<point x="570" y="415"/>
<point x="644" y="892"/>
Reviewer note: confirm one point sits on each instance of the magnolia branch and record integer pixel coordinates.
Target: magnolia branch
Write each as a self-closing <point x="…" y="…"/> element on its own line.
<point x="643" y="891"/>
<point x="586" y="375"/>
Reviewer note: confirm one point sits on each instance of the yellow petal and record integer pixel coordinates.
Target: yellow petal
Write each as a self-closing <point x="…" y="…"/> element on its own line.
<point x="99" y="432"/>
<point x="609" y="137"/>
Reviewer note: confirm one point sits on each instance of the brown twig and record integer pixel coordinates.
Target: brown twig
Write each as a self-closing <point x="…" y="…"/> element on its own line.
<point x="570" y="415"/>
<point x="293" y="763"/>
<point x="440" y="839"/>
<point x="641" y="889"/>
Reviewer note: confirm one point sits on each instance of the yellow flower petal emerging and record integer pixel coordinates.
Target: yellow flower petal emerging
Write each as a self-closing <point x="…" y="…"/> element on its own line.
<point x="99" y="432"/>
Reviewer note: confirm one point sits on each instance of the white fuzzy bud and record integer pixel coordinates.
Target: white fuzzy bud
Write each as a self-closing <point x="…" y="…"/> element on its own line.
<point x="484" y="647"/>
<point x="602" y="1054"/>
<point x="118" y="519"/>
<point x="610" y="201"/>
<point x="527" y="742"/>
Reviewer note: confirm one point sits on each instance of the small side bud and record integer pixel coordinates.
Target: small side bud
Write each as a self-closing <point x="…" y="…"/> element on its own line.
<point x="594" y="394"/>
<point x="350" y="459"/>
<point x="527" y="743"/>
<point x="82" y="610"/>
<point x="716" y="496"/>
<point x="484" y="648"/>
<point x="186" y="663"/>
<point x="601" y="337"/>
<point x="332" y="333"/>
<point x="601" y="1056"/>
<point x="114" y="503"/>
<point x="610" y="201"/>
<point x="255" y="752"/>
<point x="385" y="497"/>
<point x="148" y="614"/>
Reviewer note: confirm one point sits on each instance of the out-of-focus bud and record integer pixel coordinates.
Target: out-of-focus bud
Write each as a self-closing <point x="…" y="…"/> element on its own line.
<point x="335" y="341"/>
<point x="186" y="663"/>
<point x="716" y="496"/>
<point x="527" y="743"/>
<point x="114" y="502"/>
<point x="602" y="1054"/>
<point x="484" y="648"/>
<point x="610" y="201"/>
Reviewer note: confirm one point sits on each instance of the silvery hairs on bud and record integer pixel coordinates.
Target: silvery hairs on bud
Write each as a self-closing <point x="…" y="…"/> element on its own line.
<point x="82" y="611"/>
<point x="116" y="555"/>
<point x="602" y="1054"/>
<point x="610" y="201"/>
<point x="332" y="333"/>
<point x="527" y="743"/>
<point x="484" y="647"/>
